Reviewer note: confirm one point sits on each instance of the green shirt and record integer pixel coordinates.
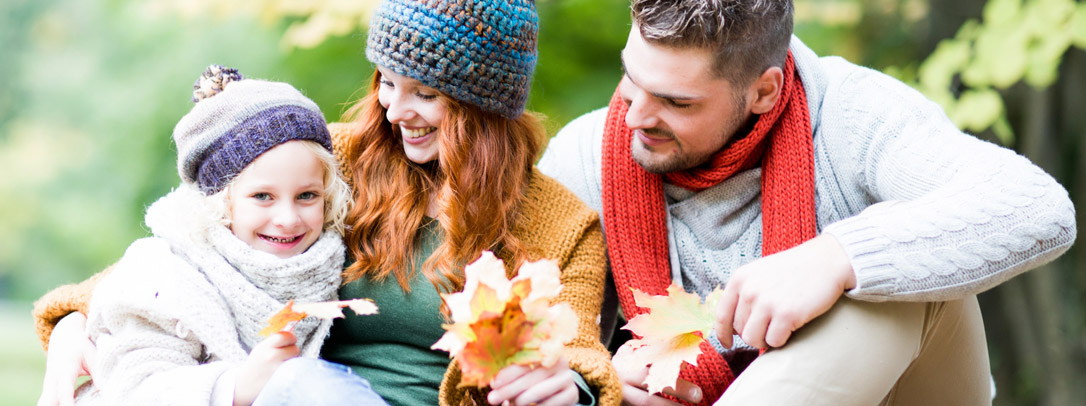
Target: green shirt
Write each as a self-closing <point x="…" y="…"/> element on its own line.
<point x="391" y="349"/>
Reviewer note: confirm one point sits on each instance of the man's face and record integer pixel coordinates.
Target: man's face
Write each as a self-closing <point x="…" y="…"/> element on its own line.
<point x="680" y="113"/>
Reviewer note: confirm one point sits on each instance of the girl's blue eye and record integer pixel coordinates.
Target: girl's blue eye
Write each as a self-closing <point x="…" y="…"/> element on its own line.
<point x="308" y="196"/>
<point x="261" y="196"/>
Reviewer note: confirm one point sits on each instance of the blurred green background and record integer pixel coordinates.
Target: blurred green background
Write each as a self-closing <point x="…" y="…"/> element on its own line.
<point x="91" y="89"/>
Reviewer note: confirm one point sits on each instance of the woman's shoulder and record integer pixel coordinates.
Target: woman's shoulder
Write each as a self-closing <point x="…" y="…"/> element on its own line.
<point x="341" y="134"/>
<point x="340" y="131"/>
<point x="553" y="219"/>
<point x="546" y="196"/>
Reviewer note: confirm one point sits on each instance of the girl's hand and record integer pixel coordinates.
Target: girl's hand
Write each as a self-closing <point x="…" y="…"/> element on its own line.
<point x="534" y="386"/>
<point x="71" y="355"/>
<point x="261" y="364"/>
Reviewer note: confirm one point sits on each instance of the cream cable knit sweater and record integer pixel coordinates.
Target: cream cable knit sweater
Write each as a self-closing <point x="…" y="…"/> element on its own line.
<point x="176" y="314"/>
<point x="924" y="211"/>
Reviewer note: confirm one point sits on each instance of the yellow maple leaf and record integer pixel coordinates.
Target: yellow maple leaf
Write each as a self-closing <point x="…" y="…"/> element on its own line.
<point x="291" y="313"/>
<point x="671" y="332"/>
<point x="497" y="322"/>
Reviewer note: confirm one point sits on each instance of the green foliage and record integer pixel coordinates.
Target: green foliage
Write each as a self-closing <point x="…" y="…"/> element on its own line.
<point x="579" y="65"/>
<point x="1016" y="41"/>
<point x="24" y="361"/>
<point x="90" y="139"/>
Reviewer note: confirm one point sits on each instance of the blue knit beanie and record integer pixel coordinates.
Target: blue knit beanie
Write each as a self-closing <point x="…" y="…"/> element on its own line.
<point x="482" y="52"/>
<point x="235" y="120"/>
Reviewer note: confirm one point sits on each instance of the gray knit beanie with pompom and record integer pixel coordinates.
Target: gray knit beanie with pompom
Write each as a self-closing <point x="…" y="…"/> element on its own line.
<point x="237" y="119"/>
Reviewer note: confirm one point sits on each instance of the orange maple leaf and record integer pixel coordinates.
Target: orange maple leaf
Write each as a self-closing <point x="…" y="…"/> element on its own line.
<point x="671" y="333"/>
<point x="323" y="310"/>
<point x="281" y="319"/>
<point x="497" y="322"/>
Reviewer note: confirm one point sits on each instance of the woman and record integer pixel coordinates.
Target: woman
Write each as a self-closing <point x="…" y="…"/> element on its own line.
<point x="440" y="156"/>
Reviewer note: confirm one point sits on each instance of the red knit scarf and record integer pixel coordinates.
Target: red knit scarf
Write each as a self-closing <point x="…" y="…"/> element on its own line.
<point x="634" y="209"/>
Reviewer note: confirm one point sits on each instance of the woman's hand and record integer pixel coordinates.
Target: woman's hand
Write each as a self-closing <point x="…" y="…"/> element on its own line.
<point x="71" y="355"/>
<point x="261" y="364"/>
<point x="534" y="386"/>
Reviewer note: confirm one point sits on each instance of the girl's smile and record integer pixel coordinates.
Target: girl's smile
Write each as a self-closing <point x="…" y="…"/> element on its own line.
<point x="277" y="202"/>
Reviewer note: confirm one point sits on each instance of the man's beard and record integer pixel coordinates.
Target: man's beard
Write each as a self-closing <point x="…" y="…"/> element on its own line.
<point x="644" y="155"/>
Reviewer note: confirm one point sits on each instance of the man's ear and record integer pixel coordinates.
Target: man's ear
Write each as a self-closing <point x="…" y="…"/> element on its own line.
<point x="765" y="90"/>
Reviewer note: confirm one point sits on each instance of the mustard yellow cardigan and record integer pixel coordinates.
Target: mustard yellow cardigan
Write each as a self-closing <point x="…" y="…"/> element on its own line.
<point x="555" y="224"/>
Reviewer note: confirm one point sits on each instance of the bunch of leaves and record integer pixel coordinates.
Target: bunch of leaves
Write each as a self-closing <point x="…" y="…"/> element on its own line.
<point x="498" y="322"/>
<point x="670" y="332"/>
<point x="323" y="310"/>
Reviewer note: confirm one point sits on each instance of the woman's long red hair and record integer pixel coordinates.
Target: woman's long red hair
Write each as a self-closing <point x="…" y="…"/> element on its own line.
<point x="479" y="181"/>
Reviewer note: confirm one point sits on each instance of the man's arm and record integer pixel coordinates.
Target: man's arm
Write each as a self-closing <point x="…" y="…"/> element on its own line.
<point x="953" y="215"/>
<point x="949" y="216"/>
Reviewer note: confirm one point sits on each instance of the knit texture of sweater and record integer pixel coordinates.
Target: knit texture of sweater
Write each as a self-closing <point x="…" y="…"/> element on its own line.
<point x="183" y="308"/>
<point x="554" y="224"/>
<point x="924" y="211"/>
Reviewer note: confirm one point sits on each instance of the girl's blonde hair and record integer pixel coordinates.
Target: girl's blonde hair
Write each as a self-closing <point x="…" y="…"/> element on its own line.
<point x="337" y="194"/>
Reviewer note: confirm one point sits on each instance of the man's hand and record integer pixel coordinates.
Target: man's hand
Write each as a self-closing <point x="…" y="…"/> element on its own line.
<point x="634" y="391"/>
<point x="71" y="355"/>
<point x="766" y="300"/>
<point x="535" y="386"/>
<point x="261" y="364"/>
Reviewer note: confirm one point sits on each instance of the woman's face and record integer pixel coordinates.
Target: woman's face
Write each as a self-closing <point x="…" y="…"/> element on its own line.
<point x="415" y="111"/>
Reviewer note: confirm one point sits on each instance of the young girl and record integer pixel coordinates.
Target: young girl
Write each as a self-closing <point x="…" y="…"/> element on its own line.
<point x="440" y="154"/>
<point x="255" y="222"/>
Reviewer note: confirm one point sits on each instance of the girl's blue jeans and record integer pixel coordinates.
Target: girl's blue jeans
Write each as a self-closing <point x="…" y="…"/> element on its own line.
<point x="316" y="382"/>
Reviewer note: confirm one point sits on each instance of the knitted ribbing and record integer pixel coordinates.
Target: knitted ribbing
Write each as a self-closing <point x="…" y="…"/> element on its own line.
<point x="634" y="208"/>
<point x="555" y="224"/>
<point x="182" y="308"/>
<point x="254" y="284"/>
<point x="236" y="120"/>
<point x="482" y="52"/>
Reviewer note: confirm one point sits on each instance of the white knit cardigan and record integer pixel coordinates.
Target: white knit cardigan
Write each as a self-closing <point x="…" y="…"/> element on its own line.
<point x="177" y="314"/>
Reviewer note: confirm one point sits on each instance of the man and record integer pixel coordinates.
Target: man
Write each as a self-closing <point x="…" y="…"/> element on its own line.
<point x="728" y="140"/>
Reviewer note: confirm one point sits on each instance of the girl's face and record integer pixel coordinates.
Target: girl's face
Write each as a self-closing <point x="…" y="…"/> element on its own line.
<point x="415" y="112"/>
<point x="277" y="204"/>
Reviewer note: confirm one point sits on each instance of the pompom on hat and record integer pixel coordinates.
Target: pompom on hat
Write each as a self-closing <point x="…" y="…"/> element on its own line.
<point x="482" y="52"/>
<point x="235" y="120"/>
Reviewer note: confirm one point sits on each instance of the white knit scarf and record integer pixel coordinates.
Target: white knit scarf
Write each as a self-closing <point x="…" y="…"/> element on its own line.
<point x="254" y="284"/>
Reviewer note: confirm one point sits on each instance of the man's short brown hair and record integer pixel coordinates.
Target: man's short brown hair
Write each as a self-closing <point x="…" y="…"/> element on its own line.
<point x="746" y="37"/>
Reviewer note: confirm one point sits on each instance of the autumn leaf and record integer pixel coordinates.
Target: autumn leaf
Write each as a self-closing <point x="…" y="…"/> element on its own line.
<point x="334" y="309"/>
<point x="497" y="322"/>
<point x="281" y="319"/>
<point x="670" y="334"/>
<point x="324" y="310"/>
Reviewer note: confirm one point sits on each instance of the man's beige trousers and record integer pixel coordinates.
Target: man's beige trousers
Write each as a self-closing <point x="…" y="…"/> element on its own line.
<point x="869" y="354"/>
